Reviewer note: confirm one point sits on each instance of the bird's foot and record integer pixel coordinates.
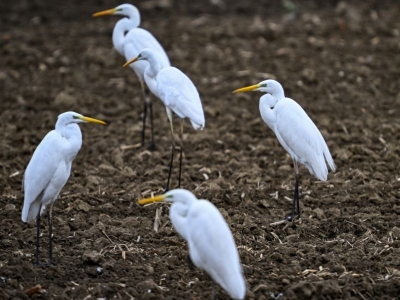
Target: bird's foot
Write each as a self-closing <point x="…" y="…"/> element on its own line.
<point x="151" y="146"/>
<point x="166" y="190"/>
<point x="48" y="264"/>
<point x="291" y="218"/>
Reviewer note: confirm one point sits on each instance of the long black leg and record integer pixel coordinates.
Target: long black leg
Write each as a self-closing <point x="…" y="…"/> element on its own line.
<point x="295" y="194"/>
<point x="144" y="113"/>
<point x="152" y="145"/>
<point x="180" y="156"/>
<point x="295" y="197"/>
<point x="298" y="197"/>
<point x="291" y="216"/>
<point x="37" y="236"/>
<point x="50" y="235"/>
<point x="172" y="156"/>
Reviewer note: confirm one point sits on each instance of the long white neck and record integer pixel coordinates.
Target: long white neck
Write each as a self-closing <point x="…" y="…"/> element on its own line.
<point x="120" y="30"/>
<point x="72" y="133"/>
<point x="177" y="214"/>
<point x="150" y="74"/>
<point x="267" y="103"/>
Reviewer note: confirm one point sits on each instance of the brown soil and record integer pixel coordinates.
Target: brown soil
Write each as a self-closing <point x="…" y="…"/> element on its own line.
<point x="340" y="61"/>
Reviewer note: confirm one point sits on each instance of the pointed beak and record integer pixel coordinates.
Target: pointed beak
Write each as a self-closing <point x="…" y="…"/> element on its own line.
<point x="91" y="120"/>
<point x="247" y="89"/>
<point x="130" y="61"/>
<point x="105" y="12"/>
<point x="158" y="198"/>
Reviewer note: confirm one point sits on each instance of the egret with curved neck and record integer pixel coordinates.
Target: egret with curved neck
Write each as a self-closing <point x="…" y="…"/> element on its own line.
<point x="178" y="94"/>
<point x="210" y="240"/>
<point x="128" y="39"/>
<point x="49" y="170"/>
<point x="295" y="131"/>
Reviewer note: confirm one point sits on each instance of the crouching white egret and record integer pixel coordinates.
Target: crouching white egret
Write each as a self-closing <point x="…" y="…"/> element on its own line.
<point x="211" y="244"/>
<point x="178" y="94"/>
<point x="295" y="131"/>
<point x="49" y="170"/>
<point x="128" y="40"/>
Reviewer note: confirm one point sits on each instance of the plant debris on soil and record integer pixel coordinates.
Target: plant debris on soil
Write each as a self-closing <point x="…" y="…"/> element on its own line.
<point x="339" y="60"/>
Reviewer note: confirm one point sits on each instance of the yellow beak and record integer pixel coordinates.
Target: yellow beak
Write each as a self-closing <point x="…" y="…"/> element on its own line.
<point x="91" y="120"/>
<point x="105" y="12"/>
<point x="131" y="61"/>
<point x="247" y="89"/>
<point x="158" y="198"/>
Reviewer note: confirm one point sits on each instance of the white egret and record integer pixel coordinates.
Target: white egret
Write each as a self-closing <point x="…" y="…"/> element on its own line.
<point x="295" y="131"/>
<point x="178" y="94"/>
<point x="49" y="170"/>
<point x="211" y="244"/>
<point x="128" y="40"/>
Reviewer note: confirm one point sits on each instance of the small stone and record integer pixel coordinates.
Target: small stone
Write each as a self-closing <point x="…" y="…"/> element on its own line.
<point x="319" y="214"/>
<point x="127" y="171"/>
<point x="92" y="257"/>
<point x="93" y="180"/>
<point x="287" y="168"/>
<point x="82" y="206"/>
<point x="333" y="212"/>
<point x="277" y="257"/>
<point x="396" y="232"/>
<point x="9" y="207"/>
<point x="337" y="269"/>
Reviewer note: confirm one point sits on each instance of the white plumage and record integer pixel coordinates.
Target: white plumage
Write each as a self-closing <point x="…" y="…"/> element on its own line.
<point x="128" y="39"/>
<point x="211" y="244"/>
<point x="176" y="91"/>
<point x="50" y="165"/>
<point x="48" y="171"/>
<point x="294" y="129"/>
<point x="173" y="87"/>
<point x="179" y="94"/>
<point x="300" y="137"/>
<point x="138" y="39"/>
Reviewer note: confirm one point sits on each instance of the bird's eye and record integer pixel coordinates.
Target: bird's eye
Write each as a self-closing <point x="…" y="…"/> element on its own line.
<point x="75" y="117"/>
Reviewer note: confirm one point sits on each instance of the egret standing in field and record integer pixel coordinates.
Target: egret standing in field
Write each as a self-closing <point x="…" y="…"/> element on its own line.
<point x="211" y="244"/>
<point x="129" y="40"/>
<point x="295" y="131"/>
<point x="178" y="94"/>
<point x="49" y="170"/>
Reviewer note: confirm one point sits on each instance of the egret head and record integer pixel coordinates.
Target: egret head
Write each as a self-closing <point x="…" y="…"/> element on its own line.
<point x="127" y="10"/>
<point x="269" y="86"/>
<point x="177" y="195"/>
<point x="73" y="117"/>
<point x="145" y="54"/>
